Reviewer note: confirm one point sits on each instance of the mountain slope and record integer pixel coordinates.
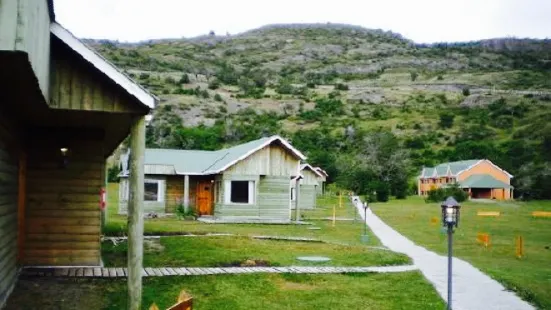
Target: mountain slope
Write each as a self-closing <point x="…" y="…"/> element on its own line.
<point x="328" y="87"/>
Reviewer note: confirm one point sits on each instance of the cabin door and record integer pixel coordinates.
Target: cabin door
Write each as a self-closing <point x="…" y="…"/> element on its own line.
<point x="204" y="197"/>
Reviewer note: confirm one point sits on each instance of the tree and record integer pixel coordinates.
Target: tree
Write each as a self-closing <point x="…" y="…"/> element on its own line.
<point x="466" y="92"/>
<point x="446" y="119"/>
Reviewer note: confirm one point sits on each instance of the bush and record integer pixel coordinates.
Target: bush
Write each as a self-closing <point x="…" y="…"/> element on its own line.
<point x="446" y="119"/>
<point x="144" y="76"/>
<point x="340" y="86"/>
<point x="217" y="97"/>
<point x="440" y="78"/>
<point x="184" y="79"/>
<point x="170" y="80"/>
<point x="413" y="76"/>
<point x="466" y="92"/>
<point x="113" y="174"/>
<point x="214" y="84"/>
<point x="440" y="194"/>
<point x="204" y="93"/>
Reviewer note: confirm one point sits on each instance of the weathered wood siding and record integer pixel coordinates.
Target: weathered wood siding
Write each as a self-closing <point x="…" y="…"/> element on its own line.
<point x="63" y="215"/>
<point x="77" y="86"/>
<point x="309" y="177"/>
<point x="8" y="213"/>
<point x="174" y="192"/>
<point x="273" y="197"/>
<point x="272" y="160"/>
<point x="222" y="209"/>
<point x="307" y="197"/>
<point x="271" y="200"/>
<point x="25" y="26"/>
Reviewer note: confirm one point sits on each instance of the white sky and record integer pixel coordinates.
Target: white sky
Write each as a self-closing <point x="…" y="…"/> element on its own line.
<point x="423" y="21"/>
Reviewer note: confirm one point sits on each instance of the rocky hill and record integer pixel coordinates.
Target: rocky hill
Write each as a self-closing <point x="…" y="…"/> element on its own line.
<point x="330" y="87"/>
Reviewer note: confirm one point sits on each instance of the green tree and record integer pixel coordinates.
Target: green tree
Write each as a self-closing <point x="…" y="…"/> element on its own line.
<point x="184" y="79"/>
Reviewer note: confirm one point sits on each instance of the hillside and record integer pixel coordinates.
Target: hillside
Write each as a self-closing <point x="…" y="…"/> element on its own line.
<point x="340" y="91"/>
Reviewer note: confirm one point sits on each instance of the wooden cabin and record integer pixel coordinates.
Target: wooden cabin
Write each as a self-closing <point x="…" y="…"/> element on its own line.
<point x="482" y="179"/>
<point x="308" y="188"/>
<point x="322" y="180"/>
<point x="63" y="111"/>
<point x="250" y="181"/>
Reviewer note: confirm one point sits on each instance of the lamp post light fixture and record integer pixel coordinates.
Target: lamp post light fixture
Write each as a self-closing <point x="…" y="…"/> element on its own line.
<point x="450" y="218"/>
<point x="64" y="157"/>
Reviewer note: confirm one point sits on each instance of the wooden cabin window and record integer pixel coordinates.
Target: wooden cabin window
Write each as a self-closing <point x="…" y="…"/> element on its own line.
<point x="153" y="190"/>
<point x="241" y="192"/>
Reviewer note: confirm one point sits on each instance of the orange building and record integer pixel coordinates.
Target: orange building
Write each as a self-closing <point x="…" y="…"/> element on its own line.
<point x="481" y="178"/>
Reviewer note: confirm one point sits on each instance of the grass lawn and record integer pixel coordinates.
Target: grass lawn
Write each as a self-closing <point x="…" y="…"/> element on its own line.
<point x="530" y="276"/>
<point x="345" y="232"/>
<point x="232" y="251"/>
<point x="407" y="290"/>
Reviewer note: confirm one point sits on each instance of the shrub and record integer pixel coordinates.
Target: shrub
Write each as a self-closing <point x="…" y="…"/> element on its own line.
<point x="440" y="78"/>
<point x="204" y="93"/>
<point x="466" y="92"/>
<point x="214" y="84"/>
<point x="218" y="98"/>
<point x="440" y="194"/>
<point x="144" y="76"/>
<point x="170" y="80"/>
<point x="311" y="85"/>
<point x="184" y="79"/>
<point x="340" y="86"/>
<point x="446" y="119"/>
<point x="113" y="174"/>
<point x="413" y="76"/>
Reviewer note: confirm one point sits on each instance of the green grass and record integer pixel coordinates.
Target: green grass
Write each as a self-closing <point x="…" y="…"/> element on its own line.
<point x="231" y="250"/>
<point x="530" y="276"/>
<point x="288" y="291"/>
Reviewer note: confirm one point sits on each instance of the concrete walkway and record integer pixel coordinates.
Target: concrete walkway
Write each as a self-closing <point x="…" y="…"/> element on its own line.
<point x="472" y="289"/>
<point x="99" y="272"/>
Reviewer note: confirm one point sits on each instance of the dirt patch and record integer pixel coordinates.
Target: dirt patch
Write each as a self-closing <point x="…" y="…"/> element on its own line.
<point x="248" y="263"/>
<point x="153" y="246"/>
<point x="56" y="294"/>
<point x="294" y="286"/>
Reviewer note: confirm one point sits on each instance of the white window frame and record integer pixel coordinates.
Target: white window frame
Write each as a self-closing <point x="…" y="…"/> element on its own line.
<point x="160" y="190"/>
<point x="227" y="192"/>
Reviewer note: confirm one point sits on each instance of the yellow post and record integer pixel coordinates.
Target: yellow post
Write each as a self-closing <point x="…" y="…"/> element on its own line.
<point x="334" y="215"/>
<point x="520" y="247"/>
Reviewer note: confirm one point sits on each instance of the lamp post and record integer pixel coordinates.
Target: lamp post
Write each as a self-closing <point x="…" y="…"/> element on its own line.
<point x="450" y="218"/>
<point x="365" y="237"/>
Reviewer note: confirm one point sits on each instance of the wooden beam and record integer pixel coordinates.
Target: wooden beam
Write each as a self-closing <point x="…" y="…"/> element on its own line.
<point x="135" y="213"/>
<point x="22" y="195"/>
<point x="186" y="191"/>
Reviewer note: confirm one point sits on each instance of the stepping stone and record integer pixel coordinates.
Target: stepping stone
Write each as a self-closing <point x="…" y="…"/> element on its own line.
<point x="314" y="228"/>
<point x="315" y="259"/>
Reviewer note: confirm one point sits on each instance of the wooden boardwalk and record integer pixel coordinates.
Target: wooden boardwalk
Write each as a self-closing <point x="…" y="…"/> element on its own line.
<point x="100" y="272"/>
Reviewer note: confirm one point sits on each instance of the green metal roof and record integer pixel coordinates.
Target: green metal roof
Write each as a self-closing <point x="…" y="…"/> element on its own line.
<point x="442" y="169"/>
<point x="483" y="181"/>
<point x="211" y="162"/>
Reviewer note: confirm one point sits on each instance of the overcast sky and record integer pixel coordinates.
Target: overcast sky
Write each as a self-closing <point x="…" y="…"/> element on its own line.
<point x="423" y="21"/>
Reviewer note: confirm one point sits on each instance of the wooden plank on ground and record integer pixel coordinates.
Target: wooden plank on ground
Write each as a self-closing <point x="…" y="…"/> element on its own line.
<point x="97" y="272"/>
<point x="120" y="272"/>
<point x="72" y="272"/>
<point x="157" y="272"/>
<point x="112" y="272"/>
<point x="488" y="213"/>
<point x="80" y="272"/>
<point x="88" y="272"/>
<point x="541" y="214"/>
